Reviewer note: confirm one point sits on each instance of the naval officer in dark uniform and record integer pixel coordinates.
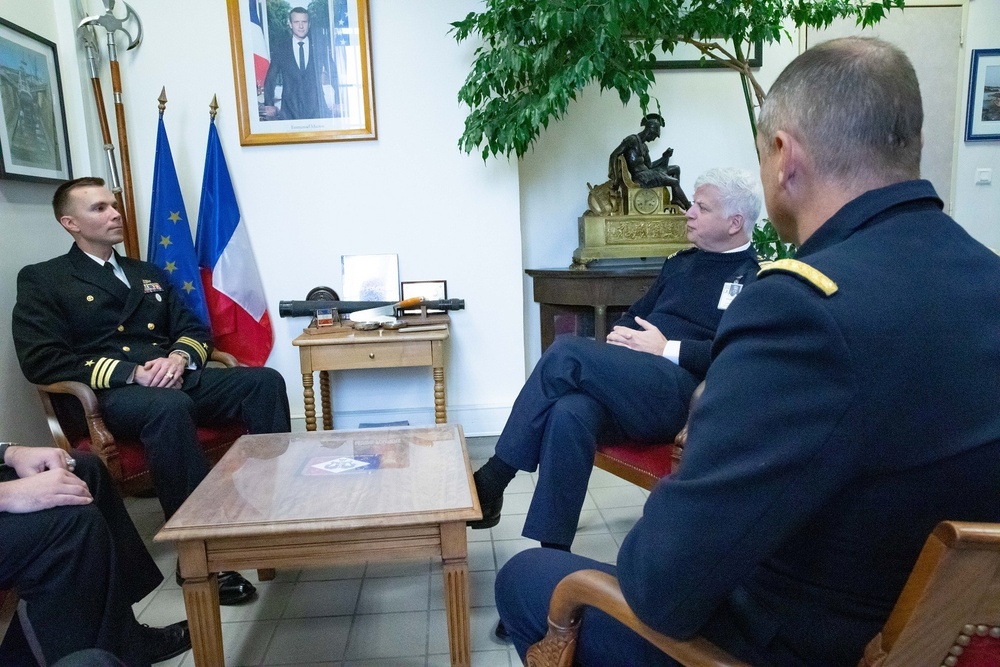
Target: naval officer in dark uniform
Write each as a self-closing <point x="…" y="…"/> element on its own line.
<point x="640" y="384"/>
<point x="117" y="324"/>
<point x="850" y="405"/>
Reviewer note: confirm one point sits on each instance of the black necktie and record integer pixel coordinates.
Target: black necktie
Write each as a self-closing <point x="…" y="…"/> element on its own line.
<point x="121" y="289"/>
<point x="302" y="57"/>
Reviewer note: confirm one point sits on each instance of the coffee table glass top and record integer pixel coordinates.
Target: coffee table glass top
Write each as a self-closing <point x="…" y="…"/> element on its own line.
<point x="331" y="479"/>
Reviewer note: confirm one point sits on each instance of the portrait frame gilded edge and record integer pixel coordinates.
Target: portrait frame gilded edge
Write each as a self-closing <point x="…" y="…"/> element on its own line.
<point x="255" y="38"/>
<point x="32" y="107"/>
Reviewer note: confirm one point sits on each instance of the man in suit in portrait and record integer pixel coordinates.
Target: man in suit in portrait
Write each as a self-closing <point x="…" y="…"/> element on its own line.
<point x="118" y="325"/>
<point x="304" y="68"/>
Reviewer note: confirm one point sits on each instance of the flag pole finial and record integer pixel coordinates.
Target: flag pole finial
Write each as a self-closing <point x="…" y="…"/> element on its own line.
<point x="162" y="99"/>
<point x="214" y="107"/>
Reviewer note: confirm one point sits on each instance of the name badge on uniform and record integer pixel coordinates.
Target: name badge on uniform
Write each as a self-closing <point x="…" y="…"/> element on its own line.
<point x="150" y="288"/>
<point x="729" y="292"/>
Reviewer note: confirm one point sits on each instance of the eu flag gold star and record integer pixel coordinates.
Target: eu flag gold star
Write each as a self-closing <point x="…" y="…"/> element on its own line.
<point x="175" y="216"/>
<point x="165" y="241"/>
<point x="188" y="286"/>
<point x="171" y="267"/>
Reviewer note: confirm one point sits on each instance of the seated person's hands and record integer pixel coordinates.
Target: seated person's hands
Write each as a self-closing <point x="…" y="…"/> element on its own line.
<point x="45" y="481"/>
<point x="166" y="372"/>
<point x="649" y="339"/>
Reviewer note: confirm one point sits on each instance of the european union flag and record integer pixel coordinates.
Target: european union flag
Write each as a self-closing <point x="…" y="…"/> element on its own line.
<point x="170" y="245"/>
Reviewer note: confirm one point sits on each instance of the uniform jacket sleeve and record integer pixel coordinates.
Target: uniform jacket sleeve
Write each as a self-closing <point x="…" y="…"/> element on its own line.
<point x="753" y="475"/>
<point x="68" y="329"/>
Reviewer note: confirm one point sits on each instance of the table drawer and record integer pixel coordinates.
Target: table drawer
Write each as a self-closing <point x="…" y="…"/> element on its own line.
<point x="371" y="355"/>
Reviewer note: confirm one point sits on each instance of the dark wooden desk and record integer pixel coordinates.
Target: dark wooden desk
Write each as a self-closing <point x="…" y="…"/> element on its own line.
<point x="593" y="293"/>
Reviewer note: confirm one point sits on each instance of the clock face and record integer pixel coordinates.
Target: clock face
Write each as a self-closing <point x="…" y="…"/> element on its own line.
<point x="646" y="201"/>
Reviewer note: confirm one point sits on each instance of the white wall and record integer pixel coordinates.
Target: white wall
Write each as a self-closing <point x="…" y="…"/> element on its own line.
<point x="30" y="233"/>
<point x="706" y="123"/>
<point x="411" y="192"/>
<point x="977" y="207"/>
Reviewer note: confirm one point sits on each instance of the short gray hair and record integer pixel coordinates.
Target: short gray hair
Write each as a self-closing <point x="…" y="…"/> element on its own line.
<point x="739" y="192"/>
<point x="855" y="104"/>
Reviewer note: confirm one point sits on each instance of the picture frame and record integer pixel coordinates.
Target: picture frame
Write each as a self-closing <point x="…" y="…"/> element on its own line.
<point x="686" y="56"/>
<point x="370" y="277"/>
<point x="278" y="101"/>
<point x="983" y="114"/>
<point x="33" y="134"/>
<point x="431" y="290"/>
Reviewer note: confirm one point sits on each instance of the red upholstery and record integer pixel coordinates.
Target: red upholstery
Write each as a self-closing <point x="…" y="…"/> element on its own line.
<point x="75" y="420"/>
<point x="640" y="464"/>
<point x="981" y="652"/>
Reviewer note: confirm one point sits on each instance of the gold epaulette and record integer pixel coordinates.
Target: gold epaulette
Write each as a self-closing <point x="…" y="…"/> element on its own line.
<point x="683" y="251"/>
<point x="802" y="271"/>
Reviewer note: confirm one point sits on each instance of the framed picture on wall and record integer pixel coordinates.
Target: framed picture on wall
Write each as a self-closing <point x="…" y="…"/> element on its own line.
<point x="983" y="117"/>
<point x="686" y="56"/>
<point x="431" y="290"/>
<point x="33" y="134"/>
<point x="303" y="71"/>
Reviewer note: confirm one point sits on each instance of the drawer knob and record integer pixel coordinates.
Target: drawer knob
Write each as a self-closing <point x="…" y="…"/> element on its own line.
<point x="371" y="355"/>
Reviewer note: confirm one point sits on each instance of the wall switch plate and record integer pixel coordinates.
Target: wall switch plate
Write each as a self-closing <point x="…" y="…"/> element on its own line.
<point x="984" y="176"/>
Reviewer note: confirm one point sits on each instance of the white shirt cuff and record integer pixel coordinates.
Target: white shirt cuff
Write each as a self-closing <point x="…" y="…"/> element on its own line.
<point x="672" y="351"/>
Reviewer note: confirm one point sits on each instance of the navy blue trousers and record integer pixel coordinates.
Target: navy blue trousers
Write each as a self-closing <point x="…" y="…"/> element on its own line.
<point x="581" y="391"/>
<point x="166" y="421"/>
<point x="79" y="569"/>
<point x="523" y="589"/>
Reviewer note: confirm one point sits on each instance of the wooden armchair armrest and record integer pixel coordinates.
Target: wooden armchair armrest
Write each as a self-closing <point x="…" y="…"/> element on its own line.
<point x="224" y="359"/>
<point x="102" y="442"/>
<point x="600" y="590"/>
<point x="681" y="440"/>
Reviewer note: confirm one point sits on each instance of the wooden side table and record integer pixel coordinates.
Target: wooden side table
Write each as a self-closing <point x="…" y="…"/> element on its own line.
<point x="594" y="292"/>
<point x="337" y="351"/>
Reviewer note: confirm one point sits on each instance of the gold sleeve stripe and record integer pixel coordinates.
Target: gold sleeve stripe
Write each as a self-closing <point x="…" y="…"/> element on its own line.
<point x="100" y="376"/>
<point x="801" y="270"/>
<point x="197" y="345"/>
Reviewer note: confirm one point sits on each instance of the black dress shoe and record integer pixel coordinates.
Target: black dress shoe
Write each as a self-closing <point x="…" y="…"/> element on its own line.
<point x="165" y="643"/>
<point x="233" y="588"/>
<point x="501" y="633"/>
<point x="490" y="506"/>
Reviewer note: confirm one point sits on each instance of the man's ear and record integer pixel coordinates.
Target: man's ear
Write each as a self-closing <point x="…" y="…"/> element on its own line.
<point x="789" y="158"/>
<point x="69" y="224"/>
<point x="735" y="224"/>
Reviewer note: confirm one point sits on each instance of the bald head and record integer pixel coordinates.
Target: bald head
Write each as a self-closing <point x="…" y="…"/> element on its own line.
<point x="854" y="103"/>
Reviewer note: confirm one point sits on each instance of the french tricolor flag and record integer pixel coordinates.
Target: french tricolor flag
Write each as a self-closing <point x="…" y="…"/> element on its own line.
<point x="261" y="54"/>
<point x="237" y="309"/>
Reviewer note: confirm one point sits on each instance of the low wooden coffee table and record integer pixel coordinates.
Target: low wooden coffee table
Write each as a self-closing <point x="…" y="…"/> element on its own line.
<point x="295" y="500"/>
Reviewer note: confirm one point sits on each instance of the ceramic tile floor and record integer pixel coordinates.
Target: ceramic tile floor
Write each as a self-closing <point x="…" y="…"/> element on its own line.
<point x="384" y="614"/>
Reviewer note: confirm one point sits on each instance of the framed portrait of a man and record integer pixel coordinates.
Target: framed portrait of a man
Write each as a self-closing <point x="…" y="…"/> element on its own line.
<point x="303" y="71"/>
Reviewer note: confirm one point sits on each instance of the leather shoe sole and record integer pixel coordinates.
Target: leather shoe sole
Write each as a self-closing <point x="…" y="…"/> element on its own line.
<point x="234" y="589"/>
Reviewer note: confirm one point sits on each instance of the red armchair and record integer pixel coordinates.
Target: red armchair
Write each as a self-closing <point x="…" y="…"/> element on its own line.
<point x="78" y="425"/>
<point x="644" y="464"/>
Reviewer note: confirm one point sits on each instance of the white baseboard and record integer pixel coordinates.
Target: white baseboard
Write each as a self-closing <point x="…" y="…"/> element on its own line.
<point x="476" y="420"/>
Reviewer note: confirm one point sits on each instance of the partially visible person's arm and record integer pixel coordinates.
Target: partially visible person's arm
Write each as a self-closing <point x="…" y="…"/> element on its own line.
<point x="756" y="441"/>
<point x="44" y="481"/>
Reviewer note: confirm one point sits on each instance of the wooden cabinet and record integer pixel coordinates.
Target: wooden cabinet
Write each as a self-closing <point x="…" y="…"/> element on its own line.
<point x="574" y="302"/>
